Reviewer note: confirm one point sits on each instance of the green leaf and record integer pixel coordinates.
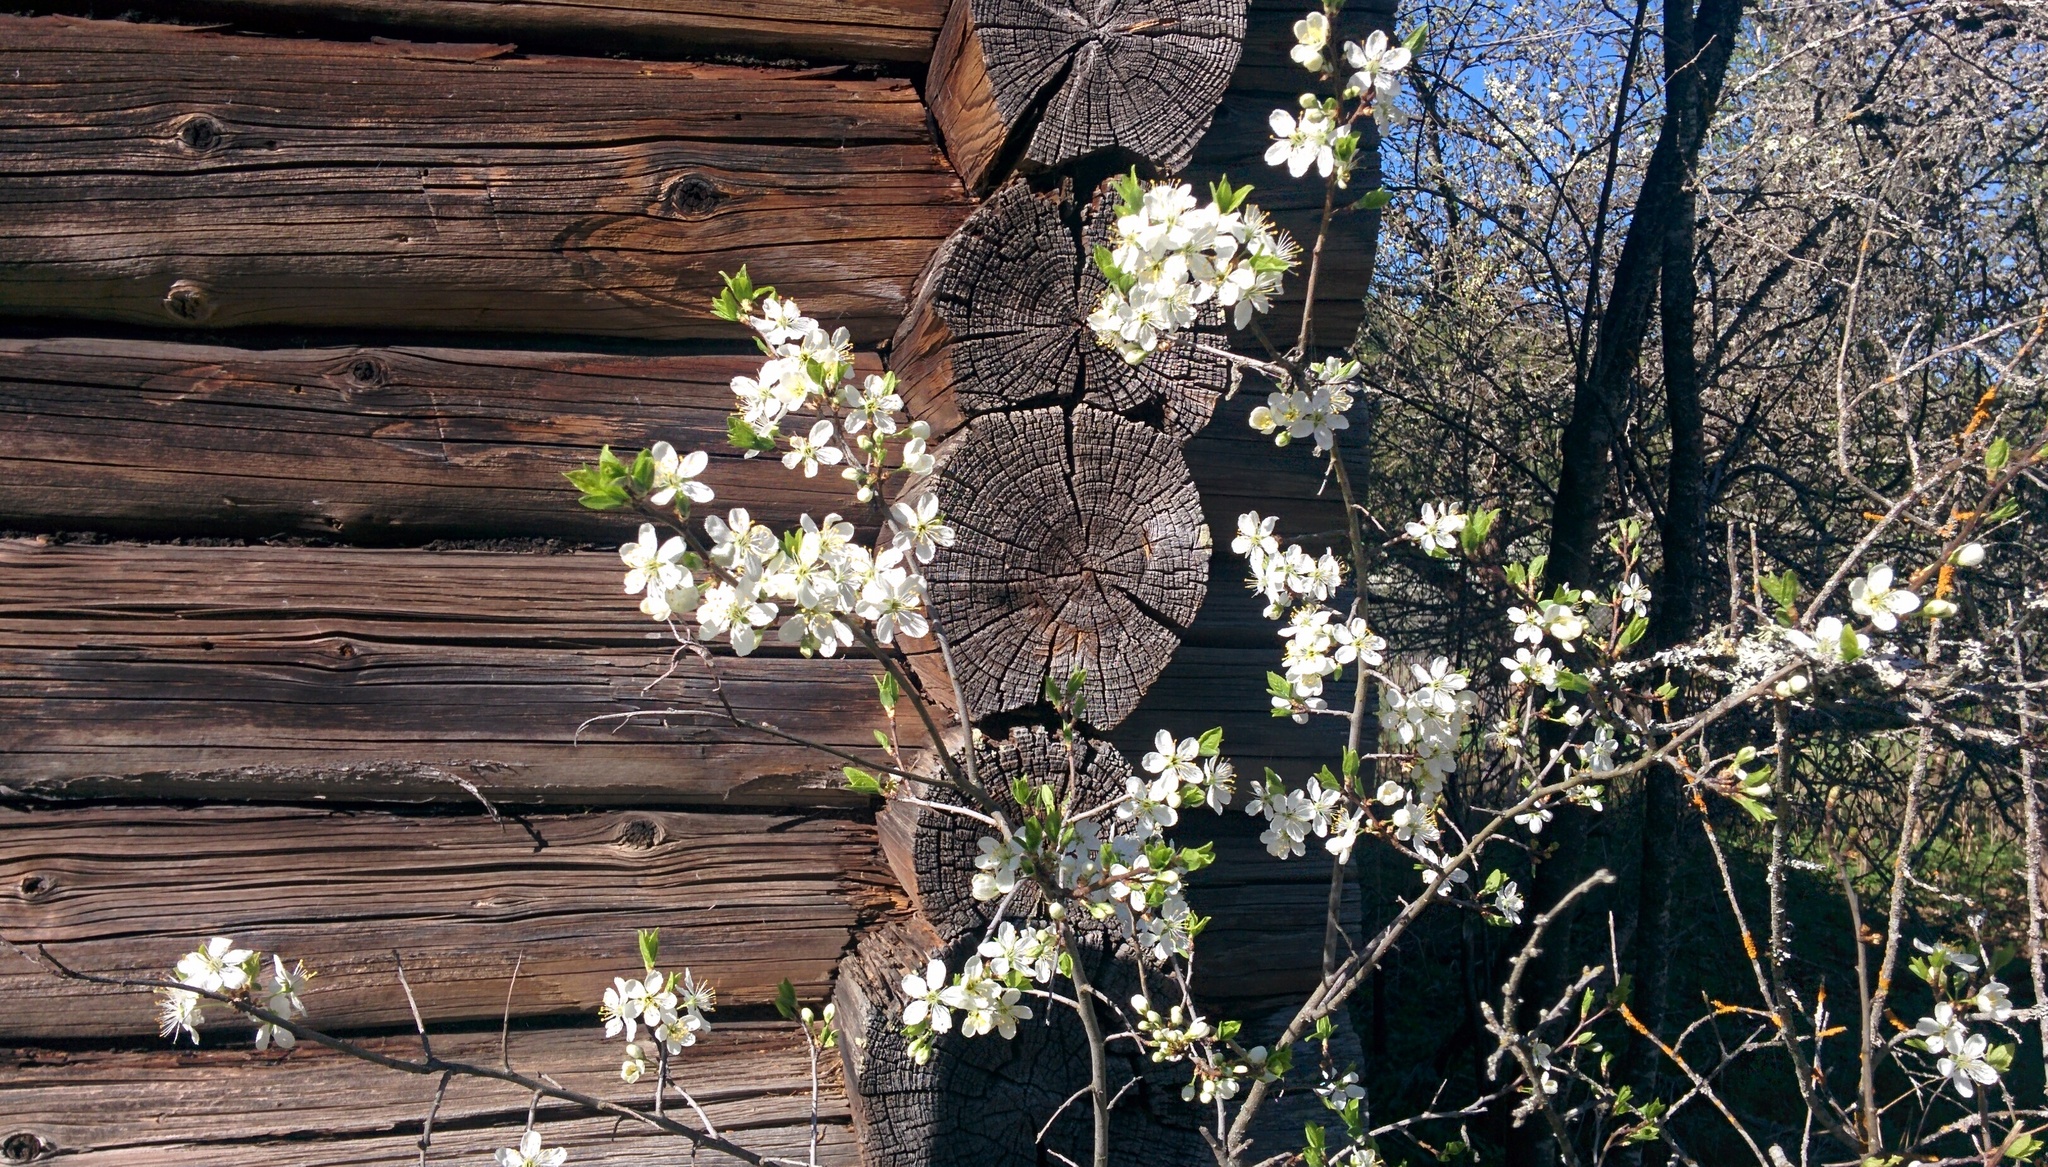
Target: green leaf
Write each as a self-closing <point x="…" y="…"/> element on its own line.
<point x="860" y="780"/>
<point x="650" y="948"/>
<point x="1020" y="791"/>
<point x="745" y="437"/>
<point x="1634" y="630"/>
<point x="606" y="499"/>
<point x="1996" y="455"/>
<point x="881" y="739"/>
<point x="1784" y="589"/>
<point x="643" y="470"/>
<point x="1757" y="810"/>
<point x="1414" y="40"/>
<point x="887" y="690"/>
<point x="1374" y="200"/>
<point x="1212" y="741"/>
<point x="1494" y="880"/>
<point x="1665" y="691"/>
<point x="1478" y="525"/>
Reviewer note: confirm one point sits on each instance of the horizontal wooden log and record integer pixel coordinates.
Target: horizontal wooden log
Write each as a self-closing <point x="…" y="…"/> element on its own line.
<point x="367" y="445"/>
<point x="226" y="1106"/>
<point x="743" y="900"/>
<point x="164" y="176"/>
<point x="844" y="30"/>
<point x="352" y="675"/>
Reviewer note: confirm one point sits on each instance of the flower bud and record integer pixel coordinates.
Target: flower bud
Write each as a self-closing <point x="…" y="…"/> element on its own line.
<point x="1968" y="555"/>
<point x="1939" y="609"/>
<point x="1057" y="911"/>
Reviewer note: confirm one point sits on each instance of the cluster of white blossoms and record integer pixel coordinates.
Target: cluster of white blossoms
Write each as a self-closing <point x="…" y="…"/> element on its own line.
<point x="1967" y="1060"/>
<point x="220" y="967"/>
<point x="810" y="369"/>
<point x="988" y="1001"/>
<point x="671" y="1006"/>
<point x="1313" y="409"/>
<point x="1169" y="256"/>
<point x="1294" y="815"/>
<point x="1321" y="136"/>
<point x="817" y="579"/>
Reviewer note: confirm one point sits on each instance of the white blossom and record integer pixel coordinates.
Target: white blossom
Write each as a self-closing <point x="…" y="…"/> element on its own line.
<point x="1874" y="597"/>
<point x="677" y="474"/>
<point x="918" y="529"/>
<point x="1438" y="530"/>
<point x="530" y="1154"/>
<point x="1311" y="40"/>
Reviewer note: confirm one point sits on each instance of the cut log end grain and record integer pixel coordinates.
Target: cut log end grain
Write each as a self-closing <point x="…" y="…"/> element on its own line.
<point x="998" y="323"/>
<point x="1081" y="546"/>
<point x="934" y="851"/>
<point x="983" y="1100"/>
<point x="1051" y="84"/>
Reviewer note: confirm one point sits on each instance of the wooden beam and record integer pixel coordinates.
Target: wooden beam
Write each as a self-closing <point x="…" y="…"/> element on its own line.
<point x="844" y="30"/>
<point x="362" y="444"/>
<point x="164" y="176"/>
<point x="229" y="1106"/>
<point x="744" y="900"/>
<point x="352" y="675"/>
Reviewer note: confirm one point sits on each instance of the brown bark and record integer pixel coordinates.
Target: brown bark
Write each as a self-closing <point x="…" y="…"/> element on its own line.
<point x="1081" y="546"/>
<point x="168" y="177"/>
<point x="1039" y="86"/>
<point x="222" y="1105"/>
<point x="743" y="900"/>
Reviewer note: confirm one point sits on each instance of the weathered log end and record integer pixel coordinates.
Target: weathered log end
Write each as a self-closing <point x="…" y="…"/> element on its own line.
<point x="998" y="323"/>
<point x="933" y="852"/>
<point x="984" y="1100"/>
<point x="1081" y="546"/>
<point x="993" y="323"/>
<point x="1038" y="86"/>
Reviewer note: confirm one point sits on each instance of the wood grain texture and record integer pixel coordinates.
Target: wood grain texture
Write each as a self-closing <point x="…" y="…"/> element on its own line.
<point x="1081" y="546"/>
<point x="365" y="445"/>
<point x="352" y="675"/>
<point x="229" y="1106"/>
<point x="745" y="900"/>
<point x="983" y="1100"/>
<point x="842" y="30"/>
<point x="164" y="176"/>
<point x="1041" y="86"/>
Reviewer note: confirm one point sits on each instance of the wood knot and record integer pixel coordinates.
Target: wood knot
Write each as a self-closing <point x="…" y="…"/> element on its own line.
<point x="36" y="887"/>
<point x="24" y="1147"/>
<point x="638" y="834"/>
<point x="200" y="133"/>
<point x="692" y="196"/>
<point x="366" y="372"/>
<point x="189" y="301"/>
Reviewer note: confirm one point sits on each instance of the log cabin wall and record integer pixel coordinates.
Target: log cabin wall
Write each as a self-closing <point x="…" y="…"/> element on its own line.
<point x="304" y="307"/>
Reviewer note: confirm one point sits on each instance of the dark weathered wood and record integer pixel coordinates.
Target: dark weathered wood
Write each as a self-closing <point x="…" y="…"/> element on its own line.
<point x="932" y="852"/>
<point x="1081" y="546"/>
<point x="164" y="176"/>
<point x="1044" y="85"/>
<point x="368" y="445"/>
<point x="236" y="672"/>
<point x="225" y="1105"/>
<point x="983" y="1100"/>
<point x="744" y="900"/>
<point x="843" y="30"/>
<point x="998" y="323"/>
